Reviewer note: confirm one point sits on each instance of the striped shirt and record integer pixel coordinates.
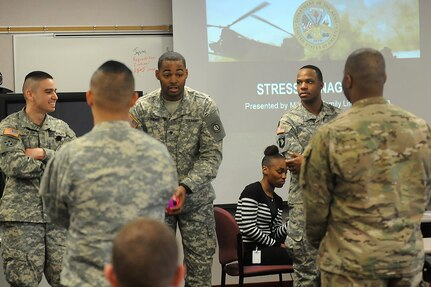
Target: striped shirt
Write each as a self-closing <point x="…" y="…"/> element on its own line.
<point x="253" y="215"/>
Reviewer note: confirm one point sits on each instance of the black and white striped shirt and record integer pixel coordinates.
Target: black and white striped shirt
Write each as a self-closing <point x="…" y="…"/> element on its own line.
<point x="253" y="215"/>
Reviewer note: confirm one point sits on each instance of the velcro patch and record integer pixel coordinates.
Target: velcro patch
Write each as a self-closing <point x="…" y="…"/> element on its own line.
<point x="134" y="123"/>
<point x="281" y="141"/>
<point x="280" y="130"/>
<point x="11" y="132"/>
<point x="215" y="126"/>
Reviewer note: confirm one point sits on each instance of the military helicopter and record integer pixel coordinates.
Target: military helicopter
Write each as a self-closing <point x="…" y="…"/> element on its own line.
<point x="232" y="45"/>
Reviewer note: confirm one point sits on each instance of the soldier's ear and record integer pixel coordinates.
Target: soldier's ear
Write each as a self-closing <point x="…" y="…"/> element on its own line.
<point x="89" y="98"/>
<point x="109" y="273"/>
<point x="348" y="81"/>
<point x="134" y="99"/>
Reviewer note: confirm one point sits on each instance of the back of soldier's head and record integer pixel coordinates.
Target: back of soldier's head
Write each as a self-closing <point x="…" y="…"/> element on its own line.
<point x="367" y="68"/>
<point x="145" y="254"/>
<point x="112" y="86"/>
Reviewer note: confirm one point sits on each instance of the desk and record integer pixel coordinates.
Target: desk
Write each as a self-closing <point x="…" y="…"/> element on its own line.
<point x="427" y="245"/>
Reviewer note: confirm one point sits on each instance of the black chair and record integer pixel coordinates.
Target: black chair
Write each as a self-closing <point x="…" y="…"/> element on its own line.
<point x="231" y="252"/>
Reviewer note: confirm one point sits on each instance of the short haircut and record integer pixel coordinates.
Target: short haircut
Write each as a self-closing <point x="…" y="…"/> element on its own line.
<point x="316" y="69"/>
<point x="170" y="56"/>
<point x="145" y="254"/>
<point x="112" y="85"/>
<point x="367" y="67"/>
<point x="34" y="77"/>
<point x="271" y="152"/>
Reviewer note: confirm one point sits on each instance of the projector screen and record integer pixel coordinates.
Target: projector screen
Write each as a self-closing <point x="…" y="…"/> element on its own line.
<point x="246" y="53"/>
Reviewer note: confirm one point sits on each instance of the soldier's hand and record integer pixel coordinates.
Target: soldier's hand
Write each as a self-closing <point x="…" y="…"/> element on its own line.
<point x="35" y="153"/>
<point x="294" y="164"/>
<point x="181" y="196"/>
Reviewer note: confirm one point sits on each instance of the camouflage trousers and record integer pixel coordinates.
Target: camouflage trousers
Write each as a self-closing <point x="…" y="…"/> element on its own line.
<point x="331" y="279"/>
<point x="197" y="228"/>
<point x="30" y="250"/>
<point x="305" y="270"/>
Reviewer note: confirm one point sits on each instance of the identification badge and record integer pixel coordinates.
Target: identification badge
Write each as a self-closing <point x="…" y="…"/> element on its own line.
<point x="255" y="259"/>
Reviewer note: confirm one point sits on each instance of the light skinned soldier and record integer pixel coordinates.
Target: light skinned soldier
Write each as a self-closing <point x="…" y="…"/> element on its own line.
<point x="368" y="175"/>
<point x="188" y="123"/>
<point x="30" y="246"/>
<point x="145" y="254"/>
<point x="294" y="131"/>
<point x="106" y="178"/>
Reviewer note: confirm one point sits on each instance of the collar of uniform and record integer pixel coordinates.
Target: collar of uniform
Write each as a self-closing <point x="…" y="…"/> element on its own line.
<point x="307" y="116"/>
<point x="370" y="101"/>
<point x="26" y="122"/>
<point x="117" y="125"/>
<point x="326" y="110"/>
<point x="184" y="107"/>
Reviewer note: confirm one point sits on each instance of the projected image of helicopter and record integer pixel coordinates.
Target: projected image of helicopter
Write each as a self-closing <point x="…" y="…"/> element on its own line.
<point x="235" y="46"/>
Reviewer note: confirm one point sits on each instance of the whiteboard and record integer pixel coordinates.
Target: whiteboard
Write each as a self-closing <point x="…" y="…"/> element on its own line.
<point x="72" y="59"/>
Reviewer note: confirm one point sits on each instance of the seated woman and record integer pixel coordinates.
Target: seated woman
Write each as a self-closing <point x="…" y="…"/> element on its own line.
<point x="259" y="213"/>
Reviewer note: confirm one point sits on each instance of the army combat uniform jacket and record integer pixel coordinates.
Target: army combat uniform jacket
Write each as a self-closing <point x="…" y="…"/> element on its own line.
<point x="367" y="174"/>
<point x="294" y="132"/>
<point x="98" y="183"/>
<point x="21" y="201"/>
<point x="193" y="135"/>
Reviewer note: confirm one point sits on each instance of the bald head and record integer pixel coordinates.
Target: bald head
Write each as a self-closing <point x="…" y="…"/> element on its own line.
<point x="112" y="86"/>
<point x="366" y="75"/>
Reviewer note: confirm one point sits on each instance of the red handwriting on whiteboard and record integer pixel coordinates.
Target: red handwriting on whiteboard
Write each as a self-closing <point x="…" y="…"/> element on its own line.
<point x="142" y="62"/>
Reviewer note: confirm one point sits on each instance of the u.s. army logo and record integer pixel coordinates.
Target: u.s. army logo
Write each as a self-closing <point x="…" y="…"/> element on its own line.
<point x="316" y="25"/>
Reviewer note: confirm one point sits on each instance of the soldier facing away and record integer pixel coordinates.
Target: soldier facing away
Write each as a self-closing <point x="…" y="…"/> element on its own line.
<point x="367" y="174"/>
<point x="145" y="253"/>
<point x="109" y="176"/>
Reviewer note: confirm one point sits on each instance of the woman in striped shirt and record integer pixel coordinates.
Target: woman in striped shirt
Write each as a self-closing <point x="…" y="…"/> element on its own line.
<point x="259" y="213"/>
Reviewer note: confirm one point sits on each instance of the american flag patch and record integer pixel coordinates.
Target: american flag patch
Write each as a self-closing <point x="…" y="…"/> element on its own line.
<point x="134" y="123"/>
<point x="280" y="130"/>
<point x="11" y="132"/>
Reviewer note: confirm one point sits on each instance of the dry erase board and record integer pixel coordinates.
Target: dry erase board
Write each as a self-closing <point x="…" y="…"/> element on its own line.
<point x="72" y="59"/>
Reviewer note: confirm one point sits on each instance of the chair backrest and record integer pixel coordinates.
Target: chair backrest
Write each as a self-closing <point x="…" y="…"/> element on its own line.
<point x="227" y="231"/>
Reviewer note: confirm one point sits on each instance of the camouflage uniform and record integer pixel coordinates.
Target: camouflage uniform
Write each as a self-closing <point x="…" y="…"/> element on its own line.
<point x="294" y="131"/>
<point x="30" y="246"/>
<point x="368" y="175"/>
<point x="193" y="135"/>
<point x="106" y="178"/>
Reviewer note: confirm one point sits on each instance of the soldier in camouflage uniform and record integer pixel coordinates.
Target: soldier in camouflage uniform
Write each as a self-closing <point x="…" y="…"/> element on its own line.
<point x="188" y="123"/>
<point x="293" y="134"/>
<point x="104" y="179"/>
<point x="366" y="182"/>
<point x="30" y="246"/>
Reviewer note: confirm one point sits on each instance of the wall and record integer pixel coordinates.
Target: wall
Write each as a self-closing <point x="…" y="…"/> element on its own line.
<point x="84" y="12"/>
<point x="75" y="13"/>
